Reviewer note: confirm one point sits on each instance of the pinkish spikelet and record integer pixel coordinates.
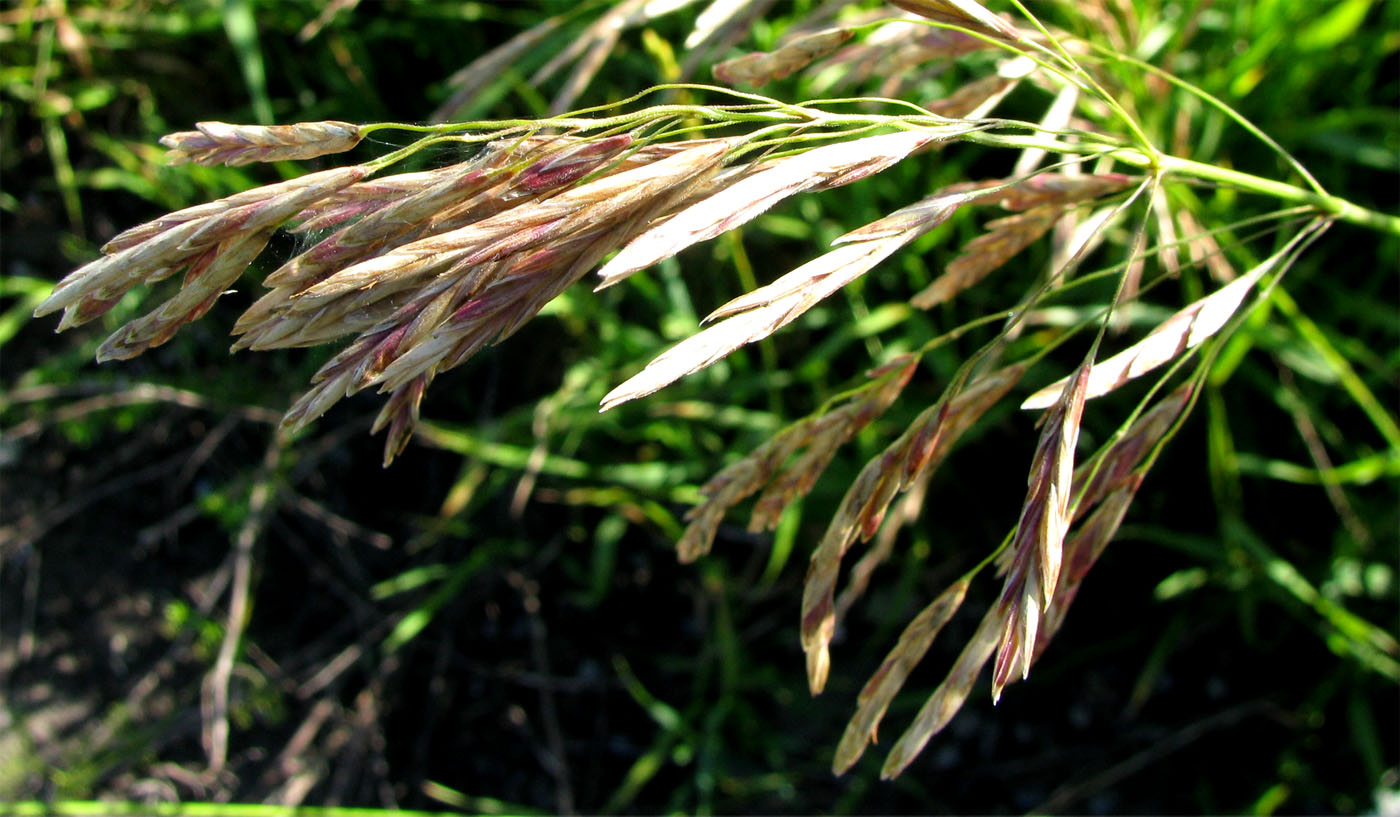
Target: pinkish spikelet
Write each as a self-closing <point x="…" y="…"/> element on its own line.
<point x="1081" y="551"/>
<point x="1187" y="329"/>
<point x="218" y="267"/>
<point x="1112" y="467"/>
<point x="968" y="98"/>
<point x="827" y="434"/>
<point x="866" y="501"/>
<point x="326" y="182"/>
<point x="400" y="414"/>
<point x="564" y="167"/>
<point x="768" y="184"/>
<point x="1037" y="544"/>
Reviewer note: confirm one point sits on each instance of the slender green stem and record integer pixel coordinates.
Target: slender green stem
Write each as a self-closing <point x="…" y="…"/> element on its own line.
<point x="774" y="113"/>
<point x="1220" y="105"/>
<point x="1334" y="206"/>
<point x="1377" y="412"/>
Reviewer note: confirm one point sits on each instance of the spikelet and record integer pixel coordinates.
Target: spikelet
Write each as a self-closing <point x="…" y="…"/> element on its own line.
<point x="1111" y="467"/>
<point x="519" y="228"/>
<point x="797" y="479"/>
<point x="949" y="696"/>
<point x="763" y="67"/>
<point x="286" y="317"/>
<point x="400" y="415"/>
<point x="875" y="697"/>
<point x="1185" y="330"/>
<point x="1038" y="203"/>
<point x="1060" y="188"/>
<point x="208" y="276"/>
<point x="1081" y="551"/>
<point x="1116" y="478"/>
<point x="894" y="49"/>
<point x="366" y="197"/>
<point x="1036" y="546"/>
<point x="1005" y="237"/>
<point x="431" y="304"/>
<point x="973" y="97"/>
<point x="219" y="143"/>
<point x="768" y="184"/>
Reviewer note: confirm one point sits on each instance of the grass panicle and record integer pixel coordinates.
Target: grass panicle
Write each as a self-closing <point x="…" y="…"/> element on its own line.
<point x="415" y="272"/>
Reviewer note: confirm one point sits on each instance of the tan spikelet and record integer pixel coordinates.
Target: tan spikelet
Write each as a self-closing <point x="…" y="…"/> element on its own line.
<point x="753" y="195"/>
<point x="831" y="432"/>
<point x="217" y="268"/>
<point x="875" y="697"/>
<point x="1061" y="188"/>
<point x="950" y="695"/>
<point x="895" y="50"/>
<point x="973" y="96"/>
<point x="326" y="183"/>
<point x="520" y="227"/>
<point x="734" y="483"/>
<point x="920" y="448"/>
<point x="764" y="67"/>
<point x="457" y="292"/>
<point x="1081" y="551"/>
<point x="1112" y="467"/>
<point x="285" y="317"/>
<point x="964" y="13"/>
<point x="821" y="435"/>
<point x="400" y="415"/>
<point x="216" y="143"/>
<point x="363" y="198"/>
<point x="158" y="249"/>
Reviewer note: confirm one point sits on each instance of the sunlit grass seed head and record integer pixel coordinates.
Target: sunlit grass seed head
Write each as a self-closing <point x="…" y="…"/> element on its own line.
<point x="416" y="272"/>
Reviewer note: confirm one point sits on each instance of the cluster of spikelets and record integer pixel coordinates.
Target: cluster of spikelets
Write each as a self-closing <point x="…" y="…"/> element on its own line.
<point x="421" y="270"/>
